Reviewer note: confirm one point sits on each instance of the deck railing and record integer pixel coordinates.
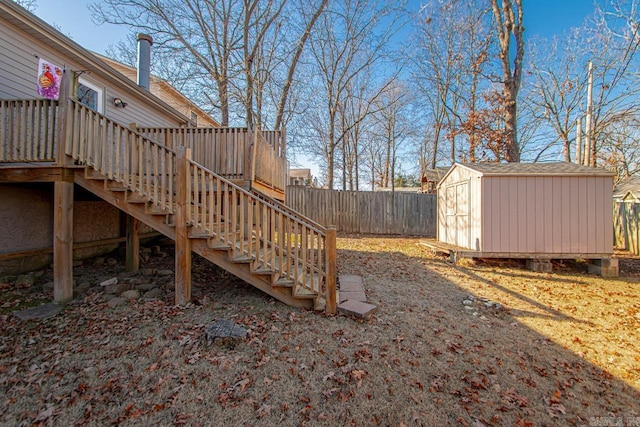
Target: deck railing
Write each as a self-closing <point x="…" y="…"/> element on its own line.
<point x="270" y="162"/>
<point x="224" y="150"/>
<point x="27" y="130"/>
<point x="122" y="155"/>
<point x="264" y="234"/>
<point x="268" y="237"/>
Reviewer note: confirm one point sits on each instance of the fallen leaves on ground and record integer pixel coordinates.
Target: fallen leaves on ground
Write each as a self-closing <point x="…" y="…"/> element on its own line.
<point x="559" y="349"/>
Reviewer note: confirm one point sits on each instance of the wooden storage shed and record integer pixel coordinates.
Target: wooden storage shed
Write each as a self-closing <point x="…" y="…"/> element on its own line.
<point x="527" y="210"/>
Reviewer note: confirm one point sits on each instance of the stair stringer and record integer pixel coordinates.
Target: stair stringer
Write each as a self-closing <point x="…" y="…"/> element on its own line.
<point x="220" y="257"/>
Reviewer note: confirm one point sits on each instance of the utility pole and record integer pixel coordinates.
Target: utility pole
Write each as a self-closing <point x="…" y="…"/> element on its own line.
<point x="589" y="142"/>
<point x="578" y="141"/>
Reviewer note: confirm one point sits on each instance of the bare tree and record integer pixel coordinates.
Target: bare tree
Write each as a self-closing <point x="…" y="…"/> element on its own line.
<point x="392" y="129"/>
<point x="452" y="43"/>
<point x="30" y="5"/>
<point x="558" y="78"/>
<point x="222" y="40"/>
<point x="348" y="40"/>
<point x="509" y="26"/>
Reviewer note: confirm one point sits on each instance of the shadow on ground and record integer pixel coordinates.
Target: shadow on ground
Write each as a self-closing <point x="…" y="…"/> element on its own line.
<point x="424" y="358"/>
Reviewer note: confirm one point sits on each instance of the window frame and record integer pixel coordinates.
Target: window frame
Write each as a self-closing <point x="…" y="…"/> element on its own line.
<point x="99" y="91"/>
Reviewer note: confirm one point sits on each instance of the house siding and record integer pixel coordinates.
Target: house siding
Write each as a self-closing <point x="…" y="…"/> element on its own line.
<point x="26" y="211"/>
<point x="19" y="53"/>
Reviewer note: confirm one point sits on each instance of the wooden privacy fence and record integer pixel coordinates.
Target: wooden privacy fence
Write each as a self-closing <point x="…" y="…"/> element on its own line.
<point x="626" y="227"/>
<point x="367" y="212"/>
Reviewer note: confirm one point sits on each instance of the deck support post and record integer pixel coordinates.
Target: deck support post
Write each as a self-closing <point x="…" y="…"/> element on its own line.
<point x="331" y="277"/>
<point x="63" y="241"/>
<point x="183" y="244"/>
<point x="133" y="244"/>
<point x="63" y="121"/>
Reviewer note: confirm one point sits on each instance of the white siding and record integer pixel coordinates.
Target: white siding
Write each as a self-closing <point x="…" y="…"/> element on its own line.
<point x="19" y="53"/>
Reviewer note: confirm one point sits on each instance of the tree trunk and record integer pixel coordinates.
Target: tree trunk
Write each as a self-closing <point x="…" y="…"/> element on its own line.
<point x="509" y="24"/>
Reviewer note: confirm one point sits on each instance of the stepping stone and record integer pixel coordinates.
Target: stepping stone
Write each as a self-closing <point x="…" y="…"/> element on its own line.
<point x="356" y="308"/>
<point x="353" y="296"/>
<point x="40" y="312"/>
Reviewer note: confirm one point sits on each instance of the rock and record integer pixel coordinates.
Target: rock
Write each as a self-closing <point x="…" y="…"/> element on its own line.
<point x="155" y="293"/>
<point x="117" y="302"/>
<point x="25" y="280"/>
<point x="117" y="288"/>
<point x="497" y="306"/>
<point x="488" y="304"/>
<point x="467" y="307"/>
<point x="163" y="273"/>
<point x="131" y="294"/>
<point x="148" y="271"/>
<point x="112" y="281"/>
<point x="144" y="287"/>
<point x="146" y="250"/>
<point x="98" y="262"/>
<point x="471" y="297"/>
<point x="224" y="332"/>
<point x="48" y="285"/>
<point x="161" y="254"/>
<point x="467" y="302"/>
<point x="155" y="249"/>
<point x="81" y="289"/>
<point x="112" y="262"/>
<point x="40" y="312"/>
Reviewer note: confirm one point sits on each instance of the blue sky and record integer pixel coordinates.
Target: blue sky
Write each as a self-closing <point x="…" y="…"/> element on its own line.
<point x="543" y="17"/>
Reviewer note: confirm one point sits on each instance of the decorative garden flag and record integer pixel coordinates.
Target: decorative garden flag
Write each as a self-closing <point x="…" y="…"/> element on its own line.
<point x="49" y="77"/>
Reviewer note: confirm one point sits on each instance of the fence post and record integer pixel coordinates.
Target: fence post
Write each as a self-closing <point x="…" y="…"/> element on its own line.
<point x="330" y="256"/>
<point x="183" y="244"/>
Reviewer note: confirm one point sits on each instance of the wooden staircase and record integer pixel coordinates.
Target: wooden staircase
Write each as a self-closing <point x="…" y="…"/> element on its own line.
<point x="255" y="238"/>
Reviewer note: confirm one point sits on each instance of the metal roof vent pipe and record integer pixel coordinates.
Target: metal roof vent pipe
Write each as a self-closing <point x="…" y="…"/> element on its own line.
<point x="144" y="60"/>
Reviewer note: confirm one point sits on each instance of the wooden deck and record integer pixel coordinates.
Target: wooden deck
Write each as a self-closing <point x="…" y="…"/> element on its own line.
<point x="269" y="246"/>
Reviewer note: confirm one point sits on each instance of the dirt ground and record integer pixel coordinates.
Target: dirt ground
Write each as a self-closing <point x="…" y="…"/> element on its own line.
<point x="485" y="343"/>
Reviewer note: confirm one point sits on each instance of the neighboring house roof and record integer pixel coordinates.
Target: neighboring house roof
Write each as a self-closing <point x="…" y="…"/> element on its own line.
<point x="630" y="196"/>
<point x="300" y="173"/>
<point x="628" y="185"/>
<point x="165" y="91"/>
<point x="436" y="174"/>
<point x="40" y="30"/>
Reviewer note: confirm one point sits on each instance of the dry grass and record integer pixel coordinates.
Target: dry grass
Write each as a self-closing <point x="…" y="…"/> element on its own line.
<point x="563" y="351"/>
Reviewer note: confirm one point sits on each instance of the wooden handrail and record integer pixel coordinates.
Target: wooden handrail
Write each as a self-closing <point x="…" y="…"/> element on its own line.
<point x="123" y="155"/>
<point x="265" y="234"/>
<point x="28" y="130"/>
<point x="257" y="230"/>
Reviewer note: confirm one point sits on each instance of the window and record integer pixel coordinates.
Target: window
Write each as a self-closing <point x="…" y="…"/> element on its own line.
<point x="194" y="119"/>
<point x="90" y="95"/>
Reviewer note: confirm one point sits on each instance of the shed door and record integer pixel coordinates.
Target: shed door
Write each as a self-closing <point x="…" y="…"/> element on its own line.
<point x="462" y="214"/>
<point x="457" y="214"/>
